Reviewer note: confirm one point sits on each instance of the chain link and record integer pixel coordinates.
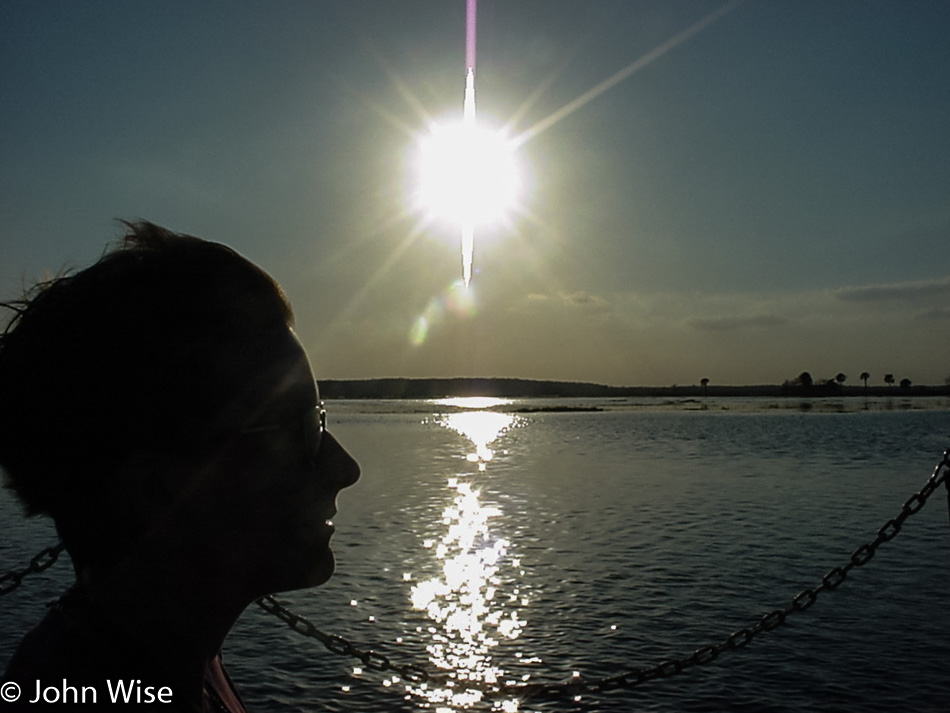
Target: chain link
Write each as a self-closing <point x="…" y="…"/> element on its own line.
<point x="415" y="673"/>
<point x="43" y="560"/>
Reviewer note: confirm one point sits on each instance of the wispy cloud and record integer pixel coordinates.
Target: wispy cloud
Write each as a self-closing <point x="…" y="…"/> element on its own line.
<point x="895" y="291"/>
<point x="728" y="324"/>
<point x="586" y="301"/>
<point x="935" y="313"/>
<point x="580" y="300"/>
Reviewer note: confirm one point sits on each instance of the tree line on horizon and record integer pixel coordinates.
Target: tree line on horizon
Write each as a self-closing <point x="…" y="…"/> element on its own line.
<point x="805" y="380"/>
<point x="436" y="388"/>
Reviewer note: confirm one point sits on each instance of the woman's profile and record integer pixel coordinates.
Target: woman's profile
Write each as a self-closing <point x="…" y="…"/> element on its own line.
<point x="159" y="407"/>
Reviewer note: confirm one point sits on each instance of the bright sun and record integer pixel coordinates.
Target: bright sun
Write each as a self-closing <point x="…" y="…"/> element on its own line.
<point x="467" y="174"/>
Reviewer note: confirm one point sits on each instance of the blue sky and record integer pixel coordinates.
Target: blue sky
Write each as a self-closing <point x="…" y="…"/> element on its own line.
<point x="771" y="195"/>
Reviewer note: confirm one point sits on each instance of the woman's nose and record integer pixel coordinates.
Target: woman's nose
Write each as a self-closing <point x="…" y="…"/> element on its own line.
<point x="335" y="464"/>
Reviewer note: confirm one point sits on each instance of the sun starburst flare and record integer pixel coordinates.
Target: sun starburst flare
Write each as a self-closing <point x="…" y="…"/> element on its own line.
<point x="467" y="174"/>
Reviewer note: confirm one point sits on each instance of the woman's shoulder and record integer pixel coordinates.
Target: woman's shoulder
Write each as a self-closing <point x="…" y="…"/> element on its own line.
<point x="71" y="656"/>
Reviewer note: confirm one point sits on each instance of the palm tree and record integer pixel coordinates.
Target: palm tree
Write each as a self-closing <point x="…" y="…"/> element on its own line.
<point x="889" y="379"/>
<point x="705" y="382"/>
<point x="841" y="378"/>
<point x="864" y="377"/>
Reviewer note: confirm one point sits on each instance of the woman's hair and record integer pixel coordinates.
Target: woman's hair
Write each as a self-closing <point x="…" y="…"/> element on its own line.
<point x="143" y="351"/>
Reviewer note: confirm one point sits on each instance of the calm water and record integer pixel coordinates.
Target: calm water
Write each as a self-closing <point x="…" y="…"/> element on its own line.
<point x="511" y="545"/>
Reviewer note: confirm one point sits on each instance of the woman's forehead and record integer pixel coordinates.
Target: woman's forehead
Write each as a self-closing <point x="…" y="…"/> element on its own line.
<point x="291" y="366"/>
<point x="281" y="384"/>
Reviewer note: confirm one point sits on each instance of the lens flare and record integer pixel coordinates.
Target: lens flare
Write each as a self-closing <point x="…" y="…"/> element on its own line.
<point x="457" y="299"/>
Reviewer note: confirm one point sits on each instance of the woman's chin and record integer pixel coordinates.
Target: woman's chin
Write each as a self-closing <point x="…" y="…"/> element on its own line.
<point x="323" y="570"/>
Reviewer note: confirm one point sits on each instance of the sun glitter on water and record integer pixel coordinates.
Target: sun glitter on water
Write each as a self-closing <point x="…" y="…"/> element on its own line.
<point x="474" y="601"/>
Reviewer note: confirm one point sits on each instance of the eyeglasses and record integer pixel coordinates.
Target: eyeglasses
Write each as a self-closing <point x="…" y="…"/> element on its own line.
<point x="313" y="422"/>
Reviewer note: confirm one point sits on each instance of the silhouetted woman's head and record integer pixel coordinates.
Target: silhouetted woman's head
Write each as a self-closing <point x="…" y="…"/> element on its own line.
<point x="148" y="351"/>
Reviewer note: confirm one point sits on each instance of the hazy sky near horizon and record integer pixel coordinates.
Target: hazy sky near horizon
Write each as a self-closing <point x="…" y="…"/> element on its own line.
<point x="769" y="196"/>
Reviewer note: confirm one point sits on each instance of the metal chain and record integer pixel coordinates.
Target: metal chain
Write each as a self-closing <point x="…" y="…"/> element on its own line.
<point x="339" y="645"/>
<point x="415" y="673"/>
<point x="743" y="637"/>
<point x="43" y="560"/>
<point x="664" y="669"/>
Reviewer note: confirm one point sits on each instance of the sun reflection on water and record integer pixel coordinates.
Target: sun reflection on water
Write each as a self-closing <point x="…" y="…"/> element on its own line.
<point x="473" y="602"/>
<point x="472" y="402"/>
<point x="482" y="428"/>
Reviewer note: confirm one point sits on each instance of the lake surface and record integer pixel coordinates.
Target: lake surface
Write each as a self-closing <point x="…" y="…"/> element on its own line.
<point x="511" y="545"/>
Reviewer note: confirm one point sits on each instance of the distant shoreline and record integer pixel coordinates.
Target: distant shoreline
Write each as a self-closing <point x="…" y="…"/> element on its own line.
<point x="437" y="388"/>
